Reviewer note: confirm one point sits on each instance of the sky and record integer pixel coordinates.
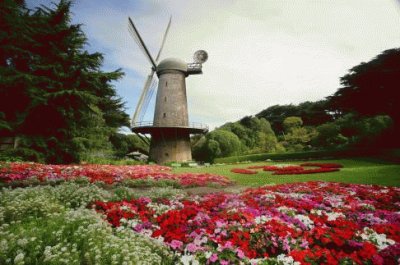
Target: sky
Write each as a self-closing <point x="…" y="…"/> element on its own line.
<point x="261" y="52"/>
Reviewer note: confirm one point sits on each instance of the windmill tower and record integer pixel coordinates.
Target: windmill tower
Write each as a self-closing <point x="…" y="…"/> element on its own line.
<point x="170" y="130"/>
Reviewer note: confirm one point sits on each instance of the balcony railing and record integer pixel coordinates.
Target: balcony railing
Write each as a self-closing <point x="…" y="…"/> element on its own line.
<point x="195" y="125"/>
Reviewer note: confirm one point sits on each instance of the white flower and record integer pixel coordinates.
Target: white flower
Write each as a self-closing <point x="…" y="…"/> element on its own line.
<point x="19" y="259"/>
<point x="124" y="208"/>
<point x="262" y="219"/>
<point x="286" y="210"/>
<point x="268" y="196"/>
<point x="379" y="240"/>
<point x="189" y="260"/>
<point x="305" y="220"/>
<point x="316" y="212"/>
<point x="22" y="242"/>
<point x="287" y="260"/>
<point x="334" y="215"/>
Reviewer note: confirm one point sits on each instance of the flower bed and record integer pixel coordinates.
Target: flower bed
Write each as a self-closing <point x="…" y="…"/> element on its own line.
<point x="243" y="171"/>
<point x="292" y="169"/>
<point x="109" y="174"/>
<point x="301" y="170"/>
<point x="322" y="165"/>
<point x="302" y="223"/>
<point x="297" y="170"/>
<point x="51" y="225"/>
<point x="256" y="167"/>
<point x="283" y="168"/>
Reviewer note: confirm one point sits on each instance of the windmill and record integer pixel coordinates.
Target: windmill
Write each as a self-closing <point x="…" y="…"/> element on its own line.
<point x="170" y="130"/>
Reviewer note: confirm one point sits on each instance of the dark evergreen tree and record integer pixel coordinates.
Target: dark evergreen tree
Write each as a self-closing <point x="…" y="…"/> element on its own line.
<point x="371" y="89"/>
<point x="56" y="97"/>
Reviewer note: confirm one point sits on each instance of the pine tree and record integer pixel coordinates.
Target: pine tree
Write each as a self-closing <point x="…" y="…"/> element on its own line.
<point x="66" y="103"/>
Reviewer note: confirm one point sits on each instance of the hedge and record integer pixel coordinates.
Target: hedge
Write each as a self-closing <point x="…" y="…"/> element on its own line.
<point x="320" y="154"/>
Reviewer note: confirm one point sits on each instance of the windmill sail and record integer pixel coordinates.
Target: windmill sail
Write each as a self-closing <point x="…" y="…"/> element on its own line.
<point x="148" y="97"/>
<point x="135" y="34"/>
<point x="163" y="40"/>
<point x="150" y="84"/>
<point x="142" y="97"/>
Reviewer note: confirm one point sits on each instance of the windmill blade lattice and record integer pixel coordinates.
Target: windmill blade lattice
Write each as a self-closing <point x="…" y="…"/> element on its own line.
<point x="147" y="99"/>
<point x="135" y="34"/>
<point x="163" y="40"/>
<point x="142" y="97"/>
<point x="150" y="84"/>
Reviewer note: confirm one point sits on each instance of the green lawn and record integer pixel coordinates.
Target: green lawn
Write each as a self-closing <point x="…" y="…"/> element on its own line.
<point x="360" y="170"/>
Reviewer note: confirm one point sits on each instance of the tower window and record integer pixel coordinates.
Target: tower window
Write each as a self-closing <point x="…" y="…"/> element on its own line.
<point x="166" y="154"/>
<point x="164" y="115"/>
<point x="166" y="83"/>
<point x="165" y="99"/>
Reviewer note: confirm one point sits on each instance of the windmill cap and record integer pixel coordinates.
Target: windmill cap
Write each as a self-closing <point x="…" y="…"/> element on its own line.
<point x="172" y="64"/>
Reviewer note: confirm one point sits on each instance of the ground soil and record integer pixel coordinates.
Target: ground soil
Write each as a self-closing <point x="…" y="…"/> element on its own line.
<point x="206" y="190"/>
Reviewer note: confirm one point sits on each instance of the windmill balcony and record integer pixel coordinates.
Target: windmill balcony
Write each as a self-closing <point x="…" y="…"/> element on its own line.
<point x="150" y="127"/>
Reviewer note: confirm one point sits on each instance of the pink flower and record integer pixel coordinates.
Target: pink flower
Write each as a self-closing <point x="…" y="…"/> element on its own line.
<point x="192" y="247"/>
<point x="228" y="245"/>
<point x="240" y="253"/>
<point x="176" y="244"/>
<point x="213" y="258"/>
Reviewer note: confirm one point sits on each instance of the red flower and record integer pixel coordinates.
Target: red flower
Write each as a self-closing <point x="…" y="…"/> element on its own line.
<point x="243" y="171"/>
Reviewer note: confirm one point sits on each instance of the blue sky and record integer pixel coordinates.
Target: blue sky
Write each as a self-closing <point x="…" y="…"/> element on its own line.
<point x="261" y="52"/>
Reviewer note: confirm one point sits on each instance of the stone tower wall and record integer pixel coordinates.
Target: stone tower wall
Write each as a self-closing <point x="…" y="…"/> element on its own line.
<point x="171" y="144"/>
<point x="171" y="102"/>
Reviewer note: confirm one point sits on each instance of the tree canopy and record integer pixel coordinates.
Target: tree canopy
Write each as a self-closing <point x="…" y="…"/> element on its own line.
<point x="371" y="89"/>
<point x="55" y="97"/>
<point x="311" y="113"/>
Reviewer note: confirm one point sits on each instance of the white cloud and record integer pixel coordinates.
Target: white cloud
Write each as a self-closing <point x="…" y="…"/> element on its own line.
<point x="261" y="53"/>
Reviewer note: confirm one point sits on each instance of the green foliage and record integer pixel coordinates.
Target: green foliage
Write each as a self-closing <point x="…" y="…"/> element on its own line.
<point x="21" y="154"/>
<point x="363" y="130"/>
<point x="227" y="142"/>
<point x="111" y="161"/>
<point x="249" y="135"/>
<point x="64" y="106"/>
<point x="312" y="114"/>
<point x="371" y="89"/>
<point x="124" y="144"/>
<point x="267" y="142"/>
<point x="256" y="135"/>
<point x="297" y="138"/>
<point x="303" y="155"/>
<point x="213" y="148"/>
<point x="217" y="143"/>
<point x="291" y="123"/>
<point x="328" y="135"/>
<point x="124" y="193"/>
